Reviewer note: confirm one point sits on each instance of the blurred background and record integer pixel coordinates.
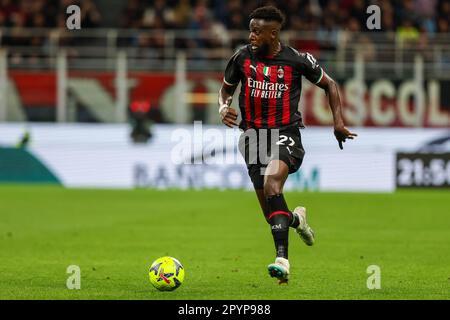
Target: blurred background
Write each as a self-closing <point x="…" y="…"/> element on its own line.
<point x="98" y="105"/>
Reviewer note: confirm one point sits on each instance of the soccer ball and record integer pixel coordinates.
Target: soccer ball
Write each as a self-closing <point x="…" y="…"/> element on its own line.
<point x="166" y="274"/>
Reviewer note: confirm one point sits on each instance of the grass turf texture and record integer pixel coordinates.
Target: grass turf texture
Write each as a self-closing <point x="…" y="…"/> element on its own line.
<point x="223" y="242"/>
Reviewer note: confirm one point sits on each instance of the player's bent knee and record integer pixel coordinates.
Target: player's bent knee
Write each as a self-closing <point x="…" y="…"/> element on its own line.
<point x="272" y="187"/>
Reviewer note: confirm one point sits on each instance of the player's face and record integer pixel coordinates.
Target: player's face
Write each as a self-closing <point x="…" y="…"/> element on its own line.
<point x="261" y="36"/>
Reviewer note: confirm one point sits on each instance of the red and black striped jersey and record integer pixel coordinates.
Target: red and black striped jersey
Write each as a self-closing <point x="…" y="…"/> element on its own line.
<point x="271" y="86"/>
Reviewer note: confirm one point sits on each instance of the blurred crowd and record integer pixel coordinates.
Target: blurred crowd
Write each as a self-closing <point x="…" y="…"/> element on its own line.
<point x="24" y="19"/>
<point x="46" y="13"/>
<point x="306" y="15"/>
<point x="411" y="21"/>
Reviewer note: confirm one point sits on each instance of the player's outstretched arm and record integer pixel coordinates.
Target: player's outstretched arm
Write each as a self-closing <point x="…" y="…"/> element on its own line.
<point x="227" y="113"/>
<point x="331" y="89"/>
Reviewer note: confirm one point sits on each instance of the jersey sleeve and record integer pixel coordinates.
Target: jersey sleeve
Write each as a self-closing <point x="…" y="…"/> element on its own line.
<point x="310" y="68"/>
<point x="232" y="71"/>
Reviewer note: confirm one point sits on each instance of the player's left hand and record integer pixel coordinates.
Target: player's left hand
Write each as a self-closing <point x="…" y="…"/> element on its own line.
<point x="341" y="134"/>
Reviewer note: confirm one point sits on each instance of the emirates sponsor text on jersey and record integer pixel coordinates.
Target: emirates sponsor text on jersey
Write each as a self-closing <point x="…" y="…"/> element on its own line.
<point x="266" y="90"/>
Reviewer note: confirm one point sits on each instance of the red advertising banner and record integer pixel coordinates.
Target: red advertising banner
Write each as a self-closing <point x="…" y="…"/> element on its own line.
<point x="379" y="103"/>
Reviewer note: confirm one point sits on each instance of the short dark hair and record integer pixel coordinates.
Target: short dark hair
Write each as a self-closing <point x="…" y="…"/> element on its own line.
<point x="268" y="13"/>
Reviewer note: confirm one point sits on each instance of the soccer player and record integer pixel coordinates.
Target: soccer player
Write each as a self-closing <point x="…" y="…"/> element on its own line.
<point x="270" y="74"/>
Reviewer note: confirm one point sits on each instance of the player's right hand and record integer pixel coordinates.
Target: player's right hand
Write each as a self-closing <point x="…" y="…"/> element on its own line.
<point x="229" y="116"/>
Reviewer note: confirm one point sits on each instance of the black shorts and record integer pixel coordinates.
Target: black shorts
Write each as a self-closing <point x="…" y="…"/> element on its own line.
<point x="260" y="146"/>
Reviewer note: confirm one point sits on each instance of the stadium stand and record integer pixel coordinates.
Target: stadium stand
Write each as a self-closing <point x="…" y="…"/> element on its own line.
<point x="153" y="33"/>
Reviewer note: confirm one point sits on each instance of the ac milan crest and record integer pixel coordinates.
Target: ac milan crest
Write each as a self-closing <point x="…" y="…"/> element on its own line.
<point x="280" y="72"/>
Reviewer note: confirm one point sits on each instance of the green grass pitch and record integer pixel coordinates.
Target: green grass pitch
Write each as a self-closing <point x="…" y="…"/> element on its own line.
<point x="223" y="242"/>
